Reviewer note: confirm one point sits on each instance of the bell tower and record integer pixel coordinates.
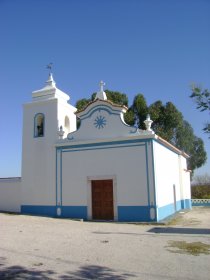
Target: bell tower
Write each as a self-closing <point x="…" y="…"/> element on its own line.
<point x="48" y="112"/>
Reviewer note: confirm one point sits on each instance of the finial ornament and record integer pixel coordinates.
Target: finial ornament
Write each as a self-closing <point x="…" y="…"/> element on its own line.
<point x="61" y="132"/>
<point x="148" y="122"/>
<point x="102" y="84"/>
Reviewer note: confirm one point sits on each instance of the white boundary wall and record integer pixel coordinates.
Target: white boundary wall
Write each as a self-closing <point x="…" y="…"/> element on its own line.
<point x="10" y="194"/>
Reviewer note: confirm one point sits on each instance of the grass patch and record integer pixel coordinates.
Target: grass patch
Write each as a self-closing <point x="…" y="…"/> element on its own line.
<point x="191" y="248"/>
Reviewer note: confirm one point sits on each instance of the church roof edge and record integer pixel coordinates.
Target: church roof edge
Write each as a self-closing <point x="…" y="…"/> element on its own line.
<point x="103" y="101"/>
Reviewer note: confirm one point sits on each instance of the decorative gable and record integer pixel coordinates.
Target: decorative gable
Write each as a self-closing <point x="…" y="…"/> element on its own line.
<point x="103" y="119"/>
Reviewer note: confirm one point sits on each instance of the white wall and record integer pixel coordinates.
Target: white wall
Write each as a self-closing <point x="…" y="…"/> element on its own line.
<point x="10" y="194"/>
<point x="126" y="164"/>
<point x="38" y="156"/>
<point x="166" y="175"/>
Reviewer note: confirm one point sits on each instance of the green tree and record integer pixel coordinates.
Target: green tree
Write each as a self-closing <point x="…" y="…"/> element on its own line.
<point x="202" y="99"/>
<point x="192" y="145"/>
<point x="117" y="97"/>
<point x="82" y="103"/>
<point x="140" y="110"/>
<point x="166" y="120"/>
<point x="198" y="154"/>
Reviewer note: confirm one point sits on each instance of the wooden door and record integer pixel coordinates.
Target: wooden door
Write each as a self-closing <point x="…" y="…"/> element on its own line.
<point x="102" y="200"/>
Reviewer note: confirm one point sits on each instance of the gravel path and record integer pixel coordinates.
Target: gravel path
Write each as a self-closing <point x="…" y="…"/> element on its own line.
<point x="47" y="248"/>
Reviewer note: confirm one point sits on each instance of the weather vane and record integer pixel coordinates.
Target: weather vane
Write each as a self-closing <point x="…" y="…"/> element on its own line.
<point x="49" y="66"/>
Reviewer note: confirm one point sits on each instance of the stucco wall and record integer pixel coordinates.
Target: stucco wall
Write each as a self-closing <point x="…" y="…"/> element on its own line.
<point x="166" y="174"/>
<point x="38" y="156"/>
<point x="10" y="194"/>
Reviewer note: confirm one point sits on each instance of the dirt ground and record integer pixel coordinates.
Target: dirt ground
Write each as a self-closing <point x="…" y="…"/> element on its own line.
<point x="46" y="248"/>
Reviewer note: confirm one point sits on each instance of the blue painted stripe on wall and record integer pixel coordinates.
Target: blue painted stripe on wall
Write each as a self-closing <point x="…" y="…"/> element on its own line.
<point x="74" y="212"/>
<point x="186" y="203"/>
<point x="178" y="205"/>
<point x="153" y="172"/>
<point x="94" y="144"/>
<point x="168" y="210"/>
<point x="133" y="213"/>
<point x="102" y="148"/>
<point x="147" y="172"/>
<point x="100" y="107"/>
<point x="49" y="211"/>
<point x="165" y="211"/>
<point x="78" y="212"/>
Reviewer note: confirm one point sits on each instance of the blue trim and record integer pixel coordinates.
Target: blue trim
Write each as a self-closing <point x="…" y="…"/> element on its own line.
<point x="56" y="176"/>
<point x="35" y="121"/>
<point x="78" y="146"/>
<point x="147" y="172"/>
<point x="186" y="204"/>
<point x="106" y="108"/>
<point x="178" y="205"/>
<point x="102" y="148"/>
<point x="169" y="209"/>
<point x="61" y="178"/>
<point x="74" y="212"/>
<point x="165" y="211"/>
<point x="40" y="210"/>
<point x="134" y="214"/>
<point x="153" y="174"/>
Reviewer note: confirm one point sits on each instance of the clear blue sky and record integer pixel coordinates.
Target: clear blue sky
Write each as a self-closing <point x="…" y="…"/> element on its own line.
<point x="155" y="47"/>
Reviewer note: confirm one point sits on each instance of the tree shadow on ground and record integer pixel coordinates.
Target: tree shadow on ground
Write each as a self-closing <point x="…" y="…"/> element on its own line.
<point x="96" y="272"/>
<point x="17" y="272"/>
<point x="84" y="272"/>
<point x="174" y="230"/>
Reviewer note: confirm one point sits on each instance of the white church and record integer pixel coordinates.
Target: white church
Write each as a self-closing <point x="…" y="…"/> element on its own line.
<point x="105" y="170"/>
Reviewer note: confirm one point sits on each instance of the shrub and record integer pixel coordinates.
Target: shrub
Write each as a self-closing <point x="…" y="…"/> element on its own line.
<point x="200" y="191"/>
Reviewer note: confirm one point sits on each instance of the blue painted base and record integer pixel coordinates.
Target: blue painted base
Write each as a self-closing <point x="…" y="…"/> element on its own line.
<point x="49" y="211"/>
<point x="74" y="212"/>
<point x="125" y="213"/>
<point x="134" y="214"/>
<point x="169" y="209"/>
<point x="186" y="204"/>
<point x="166" y="211"/>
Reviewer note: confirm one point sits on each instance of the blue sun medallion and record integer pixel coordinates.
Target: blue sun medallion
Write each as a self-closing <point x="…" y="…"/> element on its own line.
<point x="99" y="122"/>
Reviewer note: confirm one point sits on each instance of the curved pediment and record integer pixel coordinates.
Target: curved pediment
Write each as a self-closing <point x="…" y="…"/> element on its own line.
<point x="103" y="119"/>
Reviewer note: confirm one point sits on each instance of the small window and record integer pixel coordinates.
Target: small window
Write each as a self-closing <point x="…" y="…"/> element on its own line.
<point x="39" y="125"/>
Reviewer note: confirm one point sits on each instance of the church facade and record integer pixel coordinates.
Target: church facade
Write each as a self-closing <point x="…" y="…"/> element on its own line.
<point x="104" y="170"/>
